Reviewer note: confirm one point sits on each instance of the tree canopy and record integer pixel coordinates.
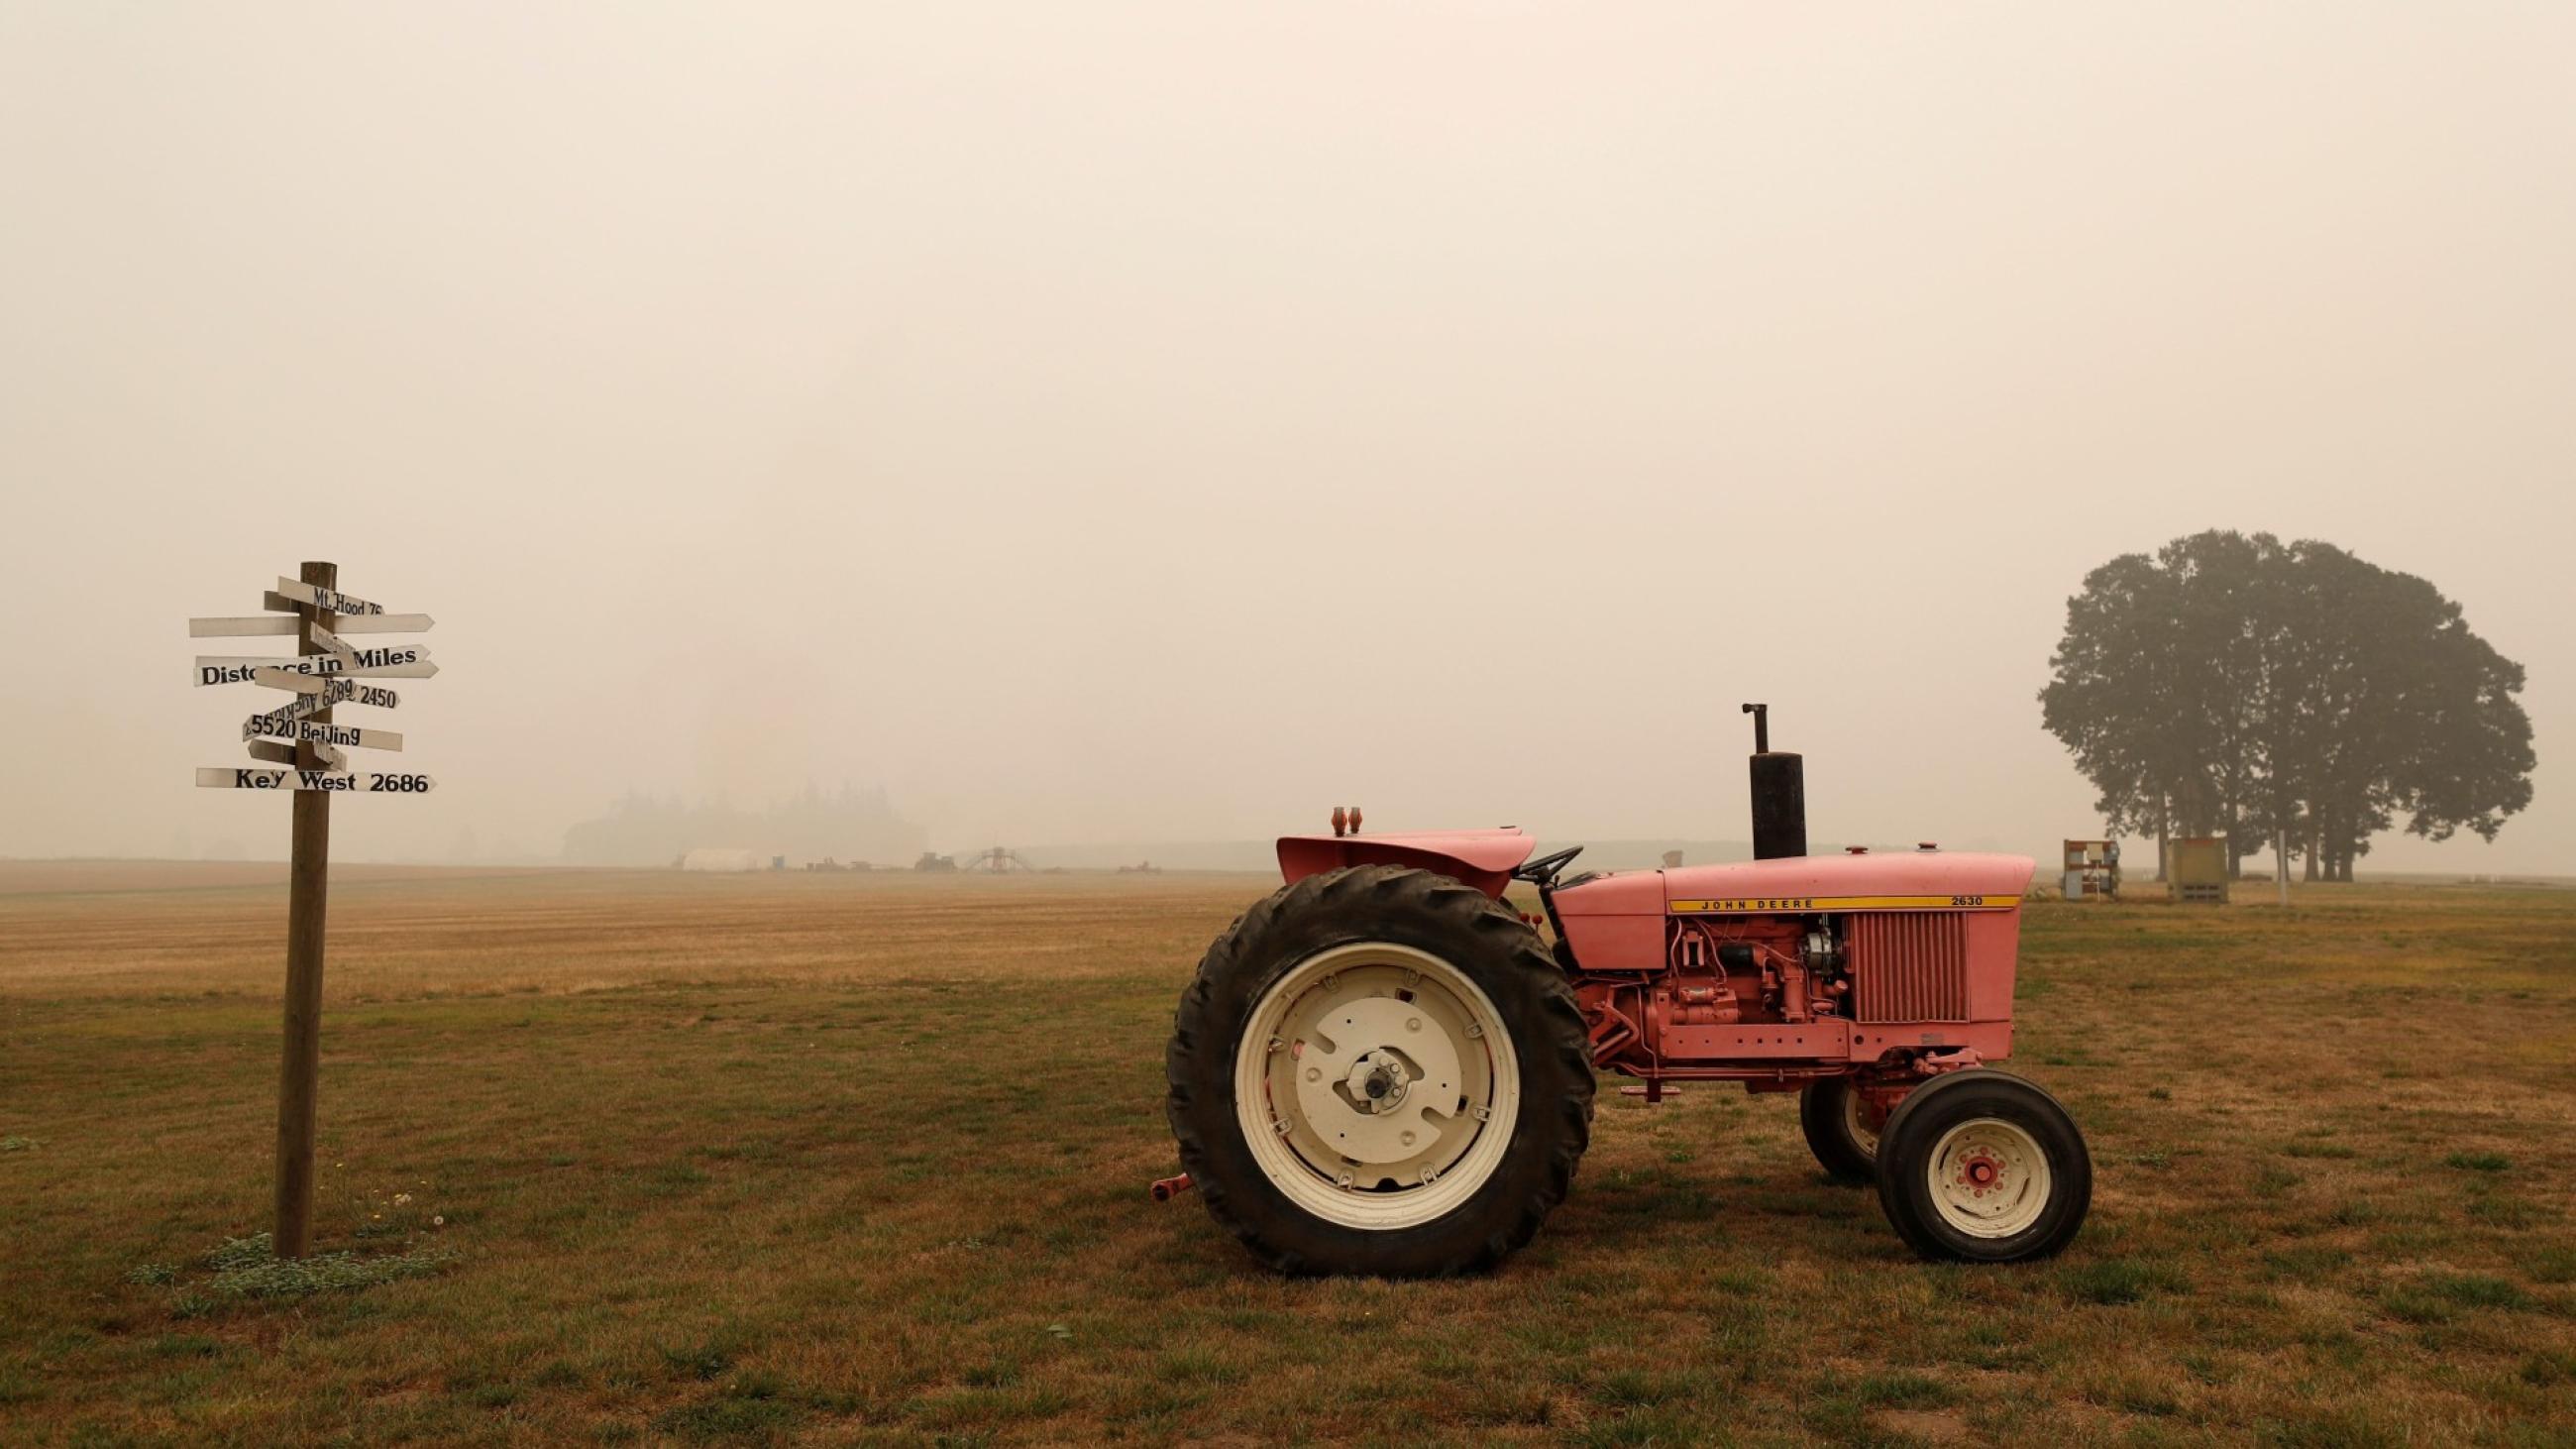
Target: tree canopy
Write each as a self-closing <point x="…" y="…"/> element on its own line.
<point x="2233" y="683"/>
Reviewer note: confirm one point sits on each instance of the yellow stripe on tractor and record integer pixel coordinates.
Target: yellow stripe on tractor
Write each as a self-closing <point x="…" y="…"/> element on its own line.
<point x="1760" y="905"/>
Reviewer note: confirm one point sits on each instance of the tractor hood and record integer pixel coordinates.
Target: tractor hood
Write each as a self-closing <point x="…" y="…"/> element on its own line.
<point x="1899" y="880"/>
<point x="1484" y="859"/>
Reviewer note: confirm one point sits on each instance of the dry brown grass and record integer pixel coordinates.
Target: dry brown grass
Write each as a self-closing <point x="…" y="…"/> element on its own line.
<point x="850" y="1158"/>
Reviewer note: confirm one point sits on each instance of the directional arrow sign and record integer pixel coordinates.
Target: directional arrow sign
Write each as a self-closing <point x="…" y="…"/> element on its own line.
<point x="282" y="719"/>
<point x="289" y="679"/>
<point x="395" y="661"/>
<point x="331" y="643"/>
<point x="330" y="601"/>
<point x="245" y="626"/>
<point x="322" y="734"/>
<point x="355" y="782"/>
<point x="276" y="753"/>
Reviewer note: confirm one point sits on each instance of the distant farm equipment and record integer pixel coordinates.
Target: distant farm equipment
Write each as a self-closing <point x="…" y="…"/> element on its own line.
<point x="1383" y="1068"/>
<point x="2091" y="870"/>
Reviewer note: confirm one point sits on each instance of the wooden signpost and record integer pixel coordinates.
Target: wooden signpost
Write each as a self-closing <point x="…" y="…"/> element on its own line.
<point x="314" y="768"/>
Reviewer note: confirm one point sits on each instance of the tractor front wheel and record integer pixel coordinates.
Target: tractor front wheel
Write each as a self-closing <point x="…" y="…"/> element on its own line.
<point x="1379" y="1071"/>
<point x="1983" y="1167"/>
<point x="1838" y="1133"/>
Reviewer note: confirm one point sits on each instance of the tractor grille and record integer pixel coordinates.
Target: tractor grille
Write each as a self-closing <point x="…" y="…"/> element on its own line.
<point x="1909" y="965"/>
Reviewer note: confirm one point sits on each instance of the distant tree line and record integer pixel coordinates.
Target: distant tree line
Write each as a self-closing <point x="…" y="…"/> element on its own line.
<point x="2236" y="684"/>
<point x="849" y="824"/>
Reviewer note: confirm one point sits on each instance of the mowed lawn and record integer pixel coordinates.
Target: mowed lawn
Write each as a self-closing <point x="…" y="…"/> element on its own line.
<point x="841" y="1158"/>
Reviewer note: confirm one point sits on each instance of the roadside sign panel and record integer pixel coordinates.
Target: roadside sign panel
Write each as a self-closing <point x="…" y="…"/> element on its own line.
<point x="345" y="782"/>
<point x="349" y="736"/>
<point x="329" y="601"/>
<point x="248" y="626"/>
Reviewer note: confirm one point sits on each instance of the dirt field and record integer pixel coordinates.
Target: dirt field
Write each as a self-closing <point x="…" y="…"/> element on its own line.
<point x="818" y="1159"/>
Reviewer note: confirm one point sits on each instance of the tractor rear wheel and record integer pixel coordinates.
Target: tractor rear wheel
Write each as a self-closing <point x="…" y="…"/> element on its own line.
<point x="1380" y="1071"/>
<point x="1983" y="1167"/>
<point x="1838" y="1133"/>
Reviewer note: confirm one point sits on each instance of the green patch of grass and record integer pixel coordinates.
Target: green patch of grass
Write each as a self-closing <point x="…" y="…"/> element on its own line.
<point x="730" y="1418"/>
<point x="2478" y="1161"/>
<point x="2554" y="1265"/>
<point x="1901" y="1390"/>
<point x="2549" y="1369"/>
<point x="1505" y="1406"/>
<point x="2439" y="1298"/>
<point x="246" y="1270"/>
<point x="2506" y="1211"/>
<point x="2272" y="1181"/>
<point x="2306" y="1264"/>
<point x="2331" y="1150"/>
<point x="998" y="1373"/>
<point x="1652" y="1429"/>
<point x="1200" y="1366"/>
<point x="19" y="1144"/>
<point x="1642" y="1389"/>
<point x="2325" y="1429"/>
<point x="2474" y="1290"/>
<point x="703" y="1360"/>
<point x="2120" y="1280"/>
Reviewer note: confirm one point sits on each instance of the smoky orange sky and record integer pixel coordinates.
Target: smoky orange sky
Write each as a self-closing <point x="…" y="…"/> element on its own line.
<point x="1145" y="422"/>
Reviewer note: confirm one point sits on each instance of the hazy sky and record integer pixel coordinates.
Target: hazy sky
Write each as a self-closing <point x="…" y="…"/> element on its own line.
<point x="1105" y="421"/>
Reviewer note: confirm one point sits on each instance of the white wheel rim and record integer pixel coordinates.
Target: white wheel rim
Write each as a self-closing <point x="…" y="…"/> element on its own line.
<point x="1989" y="1178"/>
<point x="1376" y="1086"/>
<point x="1856" y="1126"/>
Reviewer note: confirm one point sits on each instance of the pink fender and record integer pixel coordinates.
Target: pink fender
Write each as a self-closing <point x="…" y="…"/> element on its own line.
<point x="1484" y="859"/>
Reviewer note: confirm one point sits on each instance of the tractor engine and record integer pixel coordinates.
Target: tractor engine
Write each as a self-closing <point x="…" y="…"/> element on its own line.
<point x="1774" y="972"/>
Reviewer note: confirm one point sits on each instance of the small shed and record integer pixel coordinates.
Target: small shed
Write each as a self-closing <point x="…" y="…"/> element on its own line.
<point x="2197" y="867"/>
<point x="712" y="857"/>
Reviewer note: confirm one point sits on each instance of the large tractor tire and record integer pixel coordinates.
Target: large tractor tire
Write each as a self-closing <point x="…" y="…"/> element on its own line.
<point x="1981" y="1166"/>
<point x="1380" y="1071"/>
<point x="1830" y="1113"/>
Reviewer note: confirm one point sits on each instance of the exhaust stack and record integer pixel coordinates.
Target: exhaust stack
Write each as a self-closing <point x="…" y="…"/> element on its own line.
<point x="1779" y="794"/>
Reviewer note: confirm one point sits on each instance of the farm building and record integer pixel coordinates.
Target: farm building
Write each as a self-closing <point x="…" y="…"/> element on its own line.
<point x="707" y="857"/>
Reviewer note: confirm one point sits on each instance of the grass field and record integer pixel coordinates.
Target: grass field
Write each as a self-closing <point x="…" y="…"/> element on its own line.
<point x="651" y="1158"/>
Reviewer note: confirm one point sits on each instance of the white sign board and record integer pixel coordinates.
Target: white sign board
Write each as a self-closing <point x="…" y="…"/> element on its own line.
<point x="388" y="661"/>
<point x="275" y="753"/>
<point x="329" y="601"/>
<point x="246" y="626"/>
<point x="322" y="734"/>
<point x="353" y="782"/>
<point x="330" y="643"/>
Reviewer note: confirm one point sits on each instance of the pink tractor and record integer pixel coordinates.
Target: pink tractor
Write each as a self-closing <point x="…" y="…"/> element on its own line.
<point x="1383" y="1068"/>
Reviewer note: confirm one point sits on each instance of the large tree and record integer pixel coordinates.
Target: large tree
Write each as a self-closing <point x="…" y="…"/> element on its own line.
<point x="2237" y="684"/>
